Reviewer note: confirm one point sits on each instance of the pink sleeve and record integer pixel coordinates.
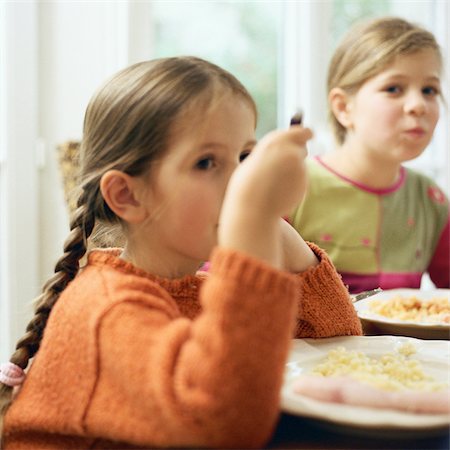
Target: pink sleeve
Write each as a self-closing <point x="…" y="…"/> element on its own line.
<point x="439" y="268"/>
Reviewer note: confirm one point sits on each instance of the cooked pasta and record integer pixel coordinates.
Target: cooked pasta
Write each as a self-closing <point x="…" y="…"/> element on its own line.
<point x="393" y="371"/>
<point x="413" y="309"/>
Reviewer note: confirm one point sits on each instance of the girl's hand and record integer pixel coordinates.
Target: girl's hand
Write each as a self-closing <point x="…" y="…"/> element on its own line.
<point x="266" y="186"/>
<point x="272" y="180"/>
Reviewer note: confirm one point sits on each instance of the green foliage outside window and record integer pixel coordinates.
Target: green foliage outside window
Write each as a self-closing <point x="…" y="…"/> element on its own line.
<point x="346" y="12"/>
<point x="242" y="37"/>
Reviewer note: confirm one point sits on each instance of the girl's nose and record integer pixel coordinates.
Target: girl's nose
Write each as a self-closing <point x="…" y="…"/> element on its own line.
<point x="415" y="103"/>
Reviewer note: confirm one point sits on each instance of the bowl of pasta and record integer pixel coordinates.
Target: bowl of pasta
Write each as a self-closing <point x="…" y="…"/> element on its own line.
<point x="416" y="313"/>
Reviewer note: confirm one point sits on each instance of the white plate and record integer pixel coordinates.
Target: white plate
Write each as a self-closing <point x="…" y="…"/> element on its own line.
<point x="376" y="324"/>
<point x="307" y="353"/>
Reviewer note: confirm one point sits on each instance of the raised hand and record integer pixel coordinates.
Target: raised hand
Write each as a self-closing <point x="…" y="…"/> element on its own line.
<point x="266" y="186"/>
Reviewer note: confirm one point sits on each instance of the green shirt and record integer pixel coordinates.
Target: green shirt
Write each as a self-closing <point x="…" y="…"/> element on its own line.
<point x="377" y="237"/>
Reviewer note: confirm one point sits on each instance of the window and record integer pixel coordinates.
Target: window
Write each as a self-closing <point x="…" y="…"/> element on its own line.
<point x="242" y="37"/>
<point x="344" y="13"/>
<point x="281" y="50"/>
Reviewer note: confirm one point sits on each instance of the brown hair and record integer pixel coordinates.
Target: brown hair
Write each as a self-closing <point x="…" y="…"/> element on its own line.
<point x="127" y="125"/>
<point x="367" y="49"/>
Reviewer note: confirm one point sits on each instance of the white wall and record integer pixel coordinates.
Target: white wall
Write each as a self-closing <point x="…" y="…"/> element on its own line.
<point x="55" y="54"/>
<point x="80" y="46"/>
<point x="19" y="237"/>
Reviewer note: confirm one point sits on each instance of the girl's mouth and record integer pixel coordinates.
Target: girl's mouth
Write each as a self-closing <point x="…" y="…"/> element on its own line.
<point x="415" y="132"/>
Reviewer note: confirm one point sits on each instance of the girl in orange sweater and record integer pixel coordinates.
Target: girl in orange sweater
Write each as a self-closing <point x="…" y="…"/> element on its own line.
<point x="136" y="349"/>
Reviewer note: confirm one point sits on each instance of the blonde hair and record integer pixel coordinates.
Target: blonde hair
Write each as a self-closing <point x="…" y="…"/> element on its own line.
<point x="367" y="49"/>
<point x="127" y="126"/>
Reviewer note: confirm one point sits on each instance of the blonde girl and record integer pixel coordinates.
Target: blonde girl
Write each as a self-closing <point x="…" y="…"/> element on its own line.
<point x="135" y="350"/>
<point x="381" y="223"/>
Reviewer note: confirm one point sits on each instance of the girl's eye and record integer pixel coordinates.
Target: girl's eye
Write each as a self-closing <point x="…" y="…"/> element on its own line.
<point x="393" y="89"/>
<point x="205" y="163"/>
<point x="244" y="155"/>
<point x="430" y="91"/>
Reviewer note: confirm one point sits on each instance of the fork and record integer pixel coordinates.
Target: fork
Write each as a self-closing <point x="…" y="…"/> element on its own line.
<point x="365" y="294"/>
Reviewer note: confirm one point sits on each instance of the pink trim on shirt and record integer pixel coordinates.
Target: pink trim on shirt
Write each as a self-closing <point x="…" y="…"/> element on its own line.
<point x="383" y="191"/>
<point x="358" y="283"/>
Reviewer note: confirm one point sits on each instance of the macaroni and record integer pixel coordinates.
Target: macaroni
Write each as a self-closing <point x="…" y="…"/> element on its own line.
<point x="413" y="309"/>
<point x="391" y="372"/>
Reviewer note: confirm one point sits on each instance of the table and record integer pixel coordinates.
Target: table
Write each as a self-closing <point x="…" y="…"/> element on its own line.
<point x="295" y="432"/>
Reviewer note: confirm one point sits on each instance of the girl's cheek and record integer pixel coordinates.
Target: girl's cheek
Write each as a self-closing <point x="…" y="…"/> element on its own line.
<point x="437" y="111"/>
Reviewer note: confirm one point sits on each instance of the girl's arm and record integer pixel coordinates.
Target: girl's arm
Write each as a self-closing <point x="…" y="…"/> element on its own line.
<point x="325" y="308"/>
<point x="264" y="188"/>
<point x="211" y="382"/>
<point x="324" y="305"/>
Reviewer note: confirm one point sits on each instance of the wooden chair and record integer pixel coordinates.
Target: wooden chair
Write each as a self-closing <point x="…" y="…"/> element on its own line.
<point x="68" y="160"/>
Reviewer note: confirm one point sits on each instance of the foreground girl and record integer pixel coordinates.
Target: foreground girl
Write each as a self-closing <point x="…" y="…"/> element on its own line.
<point x="136" y="349"/>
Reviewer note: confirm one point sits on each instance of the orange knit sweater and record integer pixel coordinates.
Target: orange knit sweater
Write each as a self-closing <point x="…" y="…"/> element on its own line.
<point x="131" y="360"/>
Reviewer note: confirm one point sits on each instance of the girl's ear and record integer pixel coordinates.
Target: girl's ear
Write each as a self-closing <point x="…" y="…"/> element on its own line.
<point x="340" y="104"/>
<point x="119" y="191"/>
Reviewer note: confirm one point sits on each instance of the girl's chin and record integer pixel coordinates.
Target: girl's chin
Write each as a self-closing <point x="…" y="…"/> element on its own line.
<point x="409" y="156"/>
<point x="408" y="153"/>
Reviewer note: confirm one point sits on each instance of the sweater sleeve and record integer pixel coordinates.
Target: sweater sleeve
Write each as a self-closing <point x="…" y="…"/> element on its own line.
<point x="211" y="382"/>
<point x="439" y="268"/>
<point x="324" y="305"/>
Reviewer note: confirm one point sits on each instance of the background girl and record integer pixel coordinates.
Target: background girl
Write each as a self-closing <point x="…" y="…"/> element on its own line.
<point x="381" y="223"/>
<point x="136" y="349"/>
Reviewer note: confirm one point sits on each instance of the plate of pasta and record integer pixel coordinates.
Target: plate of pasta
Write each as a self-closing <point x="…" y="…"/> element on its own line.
<point x="417" y="313"/>
<point x="370" y="383"/>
